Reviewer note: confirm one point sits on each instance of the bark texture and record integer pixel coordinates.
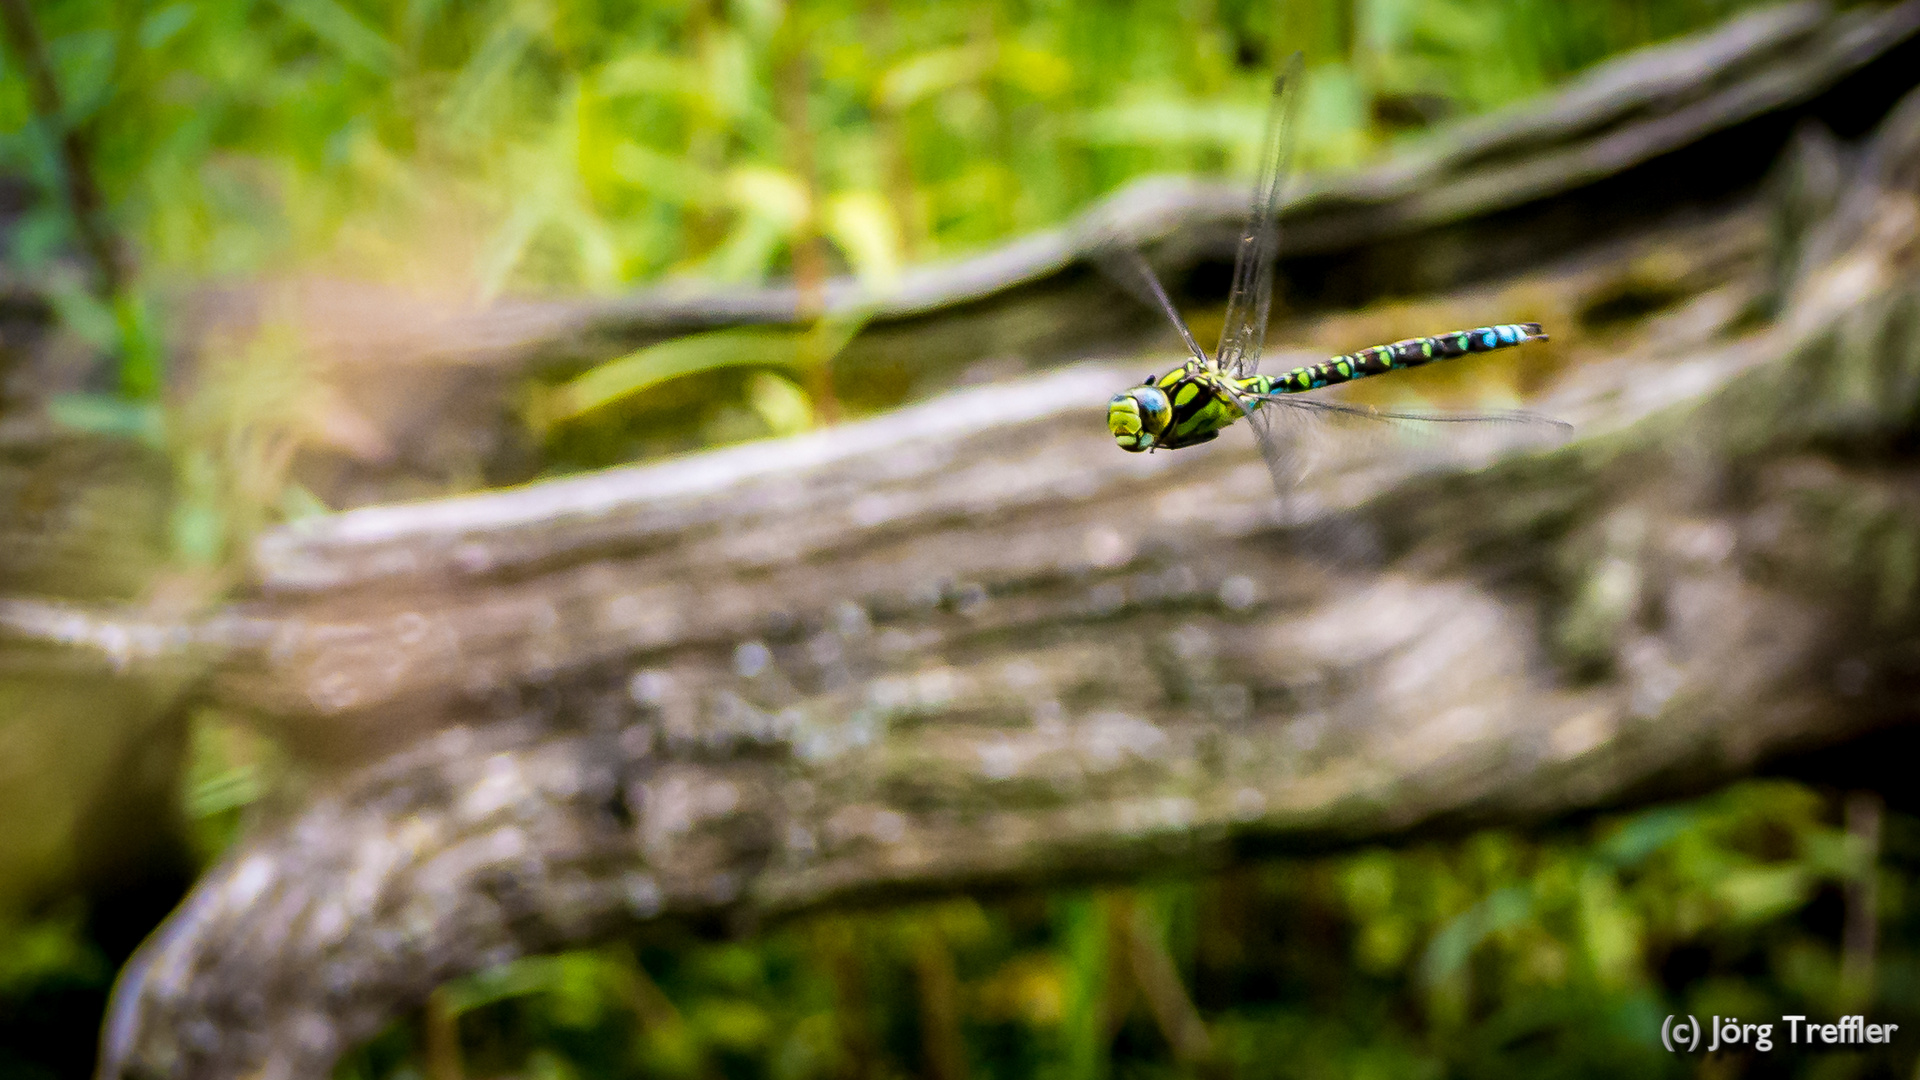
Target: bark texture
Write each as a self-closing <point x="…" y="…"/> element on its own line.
<point x="971" y="643"/>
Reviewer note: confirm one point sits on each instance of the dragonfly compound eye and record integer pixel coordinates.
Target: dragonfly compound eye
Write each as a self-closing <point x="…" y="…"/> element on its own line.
<point x="1155" y="410"/>
<point x="1136" y="417"/>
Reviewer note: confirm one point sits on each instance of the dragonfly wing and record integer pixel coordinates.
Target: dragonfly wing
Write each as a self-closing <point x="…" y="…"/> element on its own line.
<point x="1129" y="269"/>
<point x="1251" y="300"/>
<point x="1285" y="453"/>
<point x="1356" y="430"/>
<point x="1515" y="420"/>
<point x="1294" y="433"/>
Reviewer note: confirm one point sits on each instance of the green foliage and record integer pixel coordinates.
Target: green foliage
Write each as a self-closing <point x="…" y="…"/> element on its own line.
<point x="573" y="144"/>
<point x="49" y="947"/>
<point x="228" y="768"/>
<point x="1496" y="955"/>
<point x="528" y="145"/>
<point x="799" y="352"/>
<point x="53" y="981"/>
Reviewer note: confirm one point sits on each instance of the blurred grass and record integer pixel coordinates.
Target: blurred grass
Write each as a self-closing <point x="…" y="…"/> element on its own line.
<point x="1501" y="954"/>
<point x="568" y="144"/>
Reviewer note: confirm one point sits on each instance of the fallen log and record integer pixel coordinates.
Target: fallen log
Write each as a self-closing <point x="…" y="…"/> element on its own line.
<point x="971" y="644"/>
<point x="426" y="387"/>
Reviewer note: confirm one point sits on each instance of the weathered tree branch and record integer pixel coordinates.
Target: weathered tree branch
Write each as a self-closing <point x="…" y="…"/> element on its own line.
<point x="1685" y="125"/>
<point x="970" y="643"/>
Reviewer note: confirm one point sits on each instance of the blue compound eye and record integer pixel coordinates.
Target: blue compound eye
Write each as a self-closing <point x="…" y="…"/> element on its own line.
<point x="1155" y="409"/>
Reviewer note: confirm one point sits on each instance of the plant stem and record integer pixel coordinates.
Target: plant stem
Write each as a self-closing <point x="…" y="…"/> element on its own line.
<point x="1859" y="937"/>
<point x="809" y="256"/>
<point x="113" y="277"/>
<point x="944" y="1046"/>
<point x="76" y="166"/>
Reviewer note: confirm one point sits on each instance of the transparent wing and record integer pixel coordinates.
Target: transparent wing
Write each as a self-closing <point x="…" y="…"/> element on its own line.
<point x="1289" y="427"/>
<point x="1514" y="420"/>
<point x="1130" y="271"/>
<point x="1281" y="446"/>
<point x="1251" y="300"/>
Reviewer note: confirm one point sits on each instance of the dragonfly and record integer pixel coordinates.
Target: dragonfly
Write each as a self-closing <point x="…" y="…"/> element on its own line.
<point x="1193" y="403"/>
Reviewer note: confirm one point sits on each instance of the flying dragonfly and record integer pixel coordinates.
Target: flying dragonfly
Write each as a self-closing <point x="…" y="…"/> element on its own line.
<point x="1194" y="402"/>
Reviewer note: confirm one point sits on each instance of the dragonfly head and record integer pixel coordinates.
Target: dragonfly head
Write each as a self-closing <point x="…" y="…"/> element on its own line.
<point x="1138" y="417"/>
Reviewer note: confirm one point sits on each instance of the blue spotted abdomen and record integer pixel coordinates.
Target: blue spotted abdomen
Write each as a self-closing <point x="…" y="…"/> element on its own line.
<point x="1402" y="354"/>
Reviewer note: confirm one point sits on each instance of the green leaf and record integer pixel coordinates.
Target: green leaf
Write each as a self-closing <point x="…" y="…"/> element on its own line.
<point x="574" y="979"/>
<point x="774" y="194"/>
<point x="297" y="503"/>
<point x="47" y="947"/>
<point x="1081" y="924"/>
<point x="730" y="1024"/>
<point x="231" y="789"/>
<point x="1162" y="120"/>
<point x="928" y="74"/>
<point x="354" y="40"/>
<point x="743" y="347"/>
<point x="1035" y="71"/>
<point x="198" y="531"/>
<point x="105" y="414"/>
<point x="666" y="176"/>
<point x="747" y="251"/>
<point x="86" y="62"/>
<point x="1646" y="833"/>
<point x="159" y="28"/>
<point x="141" y="358"/>
<point x="1758" y="894"/>
<point x="92" y="319"/>
<point x="1456" y="941"/>
<point x="863" y="227"/>
<point x="647" y="73"/>
<point x="782" y="405"/>
<point x="469" y="102"/>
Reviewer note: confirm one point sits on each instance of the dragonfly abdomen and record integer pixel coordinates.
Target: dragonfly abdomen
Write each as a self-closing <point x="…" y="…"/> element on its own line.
<point x="1413" y="352"/>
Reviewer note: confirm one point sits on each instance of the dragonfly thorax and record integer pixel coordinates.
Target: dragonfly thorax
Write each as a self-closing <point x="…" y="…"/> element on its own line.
<point x="1137" y="417"/>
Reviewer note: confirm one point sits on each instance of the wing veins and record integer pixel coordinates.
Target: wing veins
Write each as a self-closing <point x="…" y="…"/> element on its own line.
<point x="1131" y="269"/>
<point x="1368" y="412"/>
<point x="1250" y="303"/>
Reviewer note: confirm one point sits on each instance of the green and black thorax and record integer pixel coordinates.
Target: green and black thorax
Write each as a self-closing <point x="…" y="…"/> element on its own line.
<point x="1184" y="407"/>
